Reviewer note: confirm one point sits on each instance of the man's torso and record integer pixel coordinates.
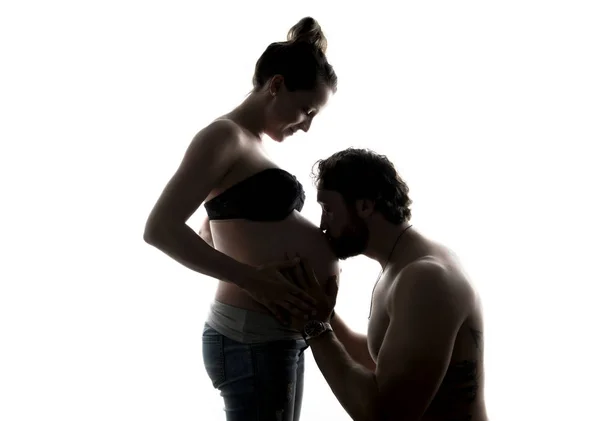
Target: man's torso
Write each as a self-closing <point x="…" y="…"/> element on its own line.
<point x="460" y="395"/>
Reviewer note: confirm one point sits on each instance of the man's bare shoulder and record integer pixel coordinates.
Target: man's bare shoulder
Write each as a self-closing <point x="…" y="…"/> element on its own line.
<point x="431" y="277"/>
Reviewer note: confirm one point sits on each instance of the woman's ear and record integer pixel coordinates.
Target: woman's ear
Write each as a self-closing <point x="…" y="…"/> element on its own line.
<point x="275" y="85"/>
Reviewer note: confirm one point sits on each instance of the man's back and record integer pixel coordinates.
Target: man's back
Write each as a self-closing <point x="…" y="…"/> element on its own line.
<point x="460" y="392"/>
<point x="460" y="395"/>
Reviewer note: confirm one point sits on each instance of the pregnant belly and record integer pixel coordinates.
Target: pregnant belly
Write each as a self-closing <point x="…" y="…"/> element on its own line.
<point x="259" y="243"/>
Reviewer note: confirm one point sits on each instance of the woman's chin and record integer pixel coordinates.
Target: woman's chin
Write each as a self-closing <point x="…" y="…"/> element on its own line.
<point x="280" y="136"/>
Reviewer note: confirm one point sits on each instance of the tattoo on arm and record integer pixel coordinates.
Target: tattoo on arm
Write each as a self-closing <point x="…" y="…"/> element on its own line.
<point x="477" y="337"/>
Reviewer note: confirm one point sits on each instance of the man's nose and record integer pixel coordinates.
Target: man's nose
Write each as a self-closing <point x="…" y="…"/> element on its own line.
<point x="322" y="224"/>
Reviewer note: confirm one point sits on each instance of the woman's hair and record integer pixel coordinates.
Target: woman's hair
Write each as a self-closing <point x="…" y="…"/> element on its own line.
<point x="300" y="60"/>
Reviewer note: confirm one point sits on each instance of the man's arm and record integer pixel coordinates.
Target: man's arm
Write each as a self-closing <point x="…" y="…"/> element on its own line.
<point x="355" y="344"/>
<point x="426" y="311"/>
<point x="415" y="353"/>
<point x="353" y="385"/>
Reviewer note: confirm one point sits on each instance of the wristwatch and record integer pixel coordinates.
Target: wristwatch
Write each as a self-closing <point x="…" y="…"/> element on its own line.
<point x="314" y="328"/>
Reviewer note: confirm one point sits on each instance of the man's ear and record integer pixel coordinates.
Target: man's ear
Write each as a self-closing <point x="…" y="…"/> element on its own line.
<point x="365" y="207"/>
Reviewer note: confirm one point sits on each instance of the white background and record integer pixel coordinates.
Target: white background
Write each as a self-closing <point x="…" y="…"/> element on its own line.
<point x="490" y="111"/>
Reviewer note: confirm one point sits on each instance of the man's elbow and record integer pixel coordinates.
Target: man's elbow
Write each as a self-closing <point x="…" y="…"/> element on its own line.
<point x="371" y="408"/>
<point x="389" y="410"/>
<point x="371" y="414"/>
<point x="383" y="407"/>
<point x="378" y="415"/>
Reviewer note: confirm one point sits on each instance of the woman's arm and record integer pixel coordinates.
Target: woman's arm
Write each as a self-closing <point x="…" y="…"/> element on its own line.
<point x="210" y="155"/>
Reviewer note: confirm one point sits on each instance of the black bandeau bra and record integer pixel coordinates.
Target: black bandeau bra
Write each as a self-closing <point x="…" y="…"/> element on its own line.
<point x="269" y="195"/>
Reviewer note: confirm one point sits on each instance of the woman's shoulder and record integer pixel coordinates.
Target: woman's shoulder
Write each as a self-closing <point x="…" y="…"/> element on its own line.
<point x="221" y="137"/>
<point x="223" y="127"/>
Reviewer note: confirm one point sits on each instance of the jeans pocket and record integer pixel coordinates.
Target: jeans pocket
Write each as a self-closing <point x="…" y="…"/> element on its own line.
<point x="213" y="356"/>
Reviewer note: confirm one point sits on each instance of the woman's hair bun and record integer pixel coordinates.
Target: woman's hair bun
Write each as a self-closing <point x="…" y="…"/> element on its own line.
<point x="308" y="30"/>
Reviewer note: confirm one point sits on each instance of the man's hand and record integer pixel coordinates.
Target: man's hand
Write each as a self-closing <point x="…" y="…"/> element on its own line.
<point x="303" y="276"/>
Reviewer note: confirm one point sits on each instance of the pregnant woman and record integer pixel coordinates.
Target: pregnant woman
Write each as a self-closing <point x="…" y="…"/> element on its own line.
<point x="252" y="357"/>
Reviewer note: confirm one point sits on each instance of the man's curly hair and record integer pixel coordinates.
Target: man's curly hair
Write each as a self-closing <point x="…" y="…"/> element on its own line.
<point x="363" y="174"/>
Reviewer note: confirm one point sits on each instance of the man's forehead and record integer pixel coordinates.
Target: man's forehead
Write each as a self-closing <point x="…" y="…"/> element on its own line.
<point x="327" y="195"/>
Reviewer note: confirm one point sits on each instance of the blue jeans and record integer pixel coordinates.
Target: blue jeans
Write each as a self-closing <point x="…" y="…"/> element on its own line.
<point x="258" y="381"/>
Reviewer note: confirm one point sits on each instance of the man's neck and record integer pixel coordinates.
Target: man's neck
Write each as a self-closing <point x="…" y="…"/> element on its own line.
<point x="383" y="237"/>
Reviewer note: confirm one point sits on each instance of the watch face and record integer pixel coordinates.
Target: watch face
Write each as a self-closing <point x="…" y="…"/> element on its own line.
<point x="313" y="327"/>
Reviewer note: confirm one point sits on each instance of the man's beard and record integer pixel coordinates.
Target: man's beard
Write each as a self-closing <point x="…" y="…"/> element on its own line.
<point x="352" y="241"/>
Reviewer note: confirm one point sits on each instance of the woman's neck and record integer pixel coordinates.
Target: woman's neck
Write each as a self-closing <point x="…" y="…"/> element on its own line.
<point x="250" y="114"/>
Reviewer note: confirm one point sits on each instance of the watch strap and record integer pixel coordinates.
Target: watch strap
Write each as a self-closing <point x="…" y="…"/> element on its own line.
<point x="323" y="327"/>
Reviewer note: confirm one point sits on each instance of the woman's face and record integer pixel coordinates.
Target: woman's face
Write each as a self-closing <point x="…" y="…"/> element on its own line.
<point x="289" y="112"/>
